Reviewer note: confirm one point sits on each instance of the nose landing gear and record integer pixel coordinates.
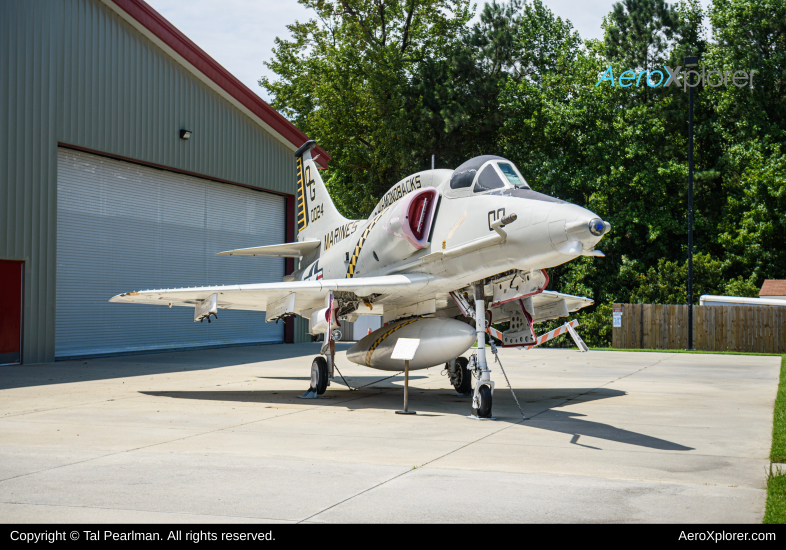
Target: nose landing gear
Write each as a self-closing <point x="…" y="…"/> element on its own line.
<point x="484" y="387"/>
<point x="481" y="403"/>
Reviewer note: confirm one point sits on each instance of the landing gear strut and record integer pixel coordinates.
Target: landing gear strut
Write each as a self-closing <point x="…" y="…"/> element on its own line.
<point x="484" y="387"/>
<point x="322" y="367"/>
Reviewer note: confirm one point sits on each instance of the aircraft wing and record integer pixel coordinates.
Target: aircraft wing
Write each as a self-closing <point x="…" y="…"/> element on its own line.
<point x="258" y="297"/>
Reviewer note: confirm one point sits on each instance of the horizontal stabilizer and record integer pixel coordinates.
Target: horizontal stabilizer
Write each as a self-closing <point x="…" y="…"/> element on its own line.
<point x="286" y="250"/>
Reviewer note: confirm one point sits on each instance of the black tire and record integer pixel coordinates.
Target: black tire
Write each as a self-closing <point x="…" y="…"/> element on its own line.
<point x="319" y="375"/>
<point x="484" y="411"/>
<point x="463" y="379"/>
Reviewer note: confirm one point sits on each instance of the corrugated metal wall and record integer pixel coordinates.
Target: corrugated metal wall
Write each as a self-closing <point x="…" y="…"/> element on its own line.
<point x="121" y="226"/>
<point x="72" y="71"/>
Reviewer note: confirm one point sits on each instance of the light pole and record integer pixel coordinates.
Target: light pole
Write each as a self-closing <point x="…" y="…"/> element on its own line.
<point x="689" y="62"/>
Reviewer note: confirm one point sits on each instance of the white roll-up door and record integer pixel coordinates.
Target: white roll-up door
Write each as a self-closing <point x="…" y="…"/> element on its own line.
<point x="124" y="227"/>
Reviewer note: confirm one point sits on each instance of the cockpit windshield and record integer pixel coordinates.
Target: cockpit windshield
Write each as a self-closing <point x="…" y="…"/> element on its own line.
<point x="497" y="175"/>
<point x="486" y="173"/>
<point x="509" y="172"/>
<point x="488" y="179"/>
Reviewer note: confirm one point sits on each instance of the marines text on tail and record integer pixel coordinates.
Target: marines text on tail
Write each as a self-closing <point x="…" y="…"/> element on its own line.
<point x="441" y="248"/>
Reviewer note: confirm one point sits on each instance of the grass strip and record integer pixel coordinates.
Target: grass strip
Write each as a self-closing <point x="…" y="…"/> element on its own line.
<point x="775" y="512"/>
<point x="776" y="500"/>
<point x="778" y="453"/>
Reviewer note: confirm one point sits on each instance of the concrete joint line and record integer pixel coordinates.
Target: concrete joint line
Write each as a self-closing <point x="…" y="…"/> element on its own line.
<point x="170" y="440"/>
<point x="406" y="472"/>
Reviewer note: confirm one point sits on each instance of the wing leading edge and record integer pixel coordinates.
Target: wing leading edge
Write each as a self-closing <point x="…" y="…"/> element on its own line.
<point x="256" y="297"/>
<point x="285" y="250"/>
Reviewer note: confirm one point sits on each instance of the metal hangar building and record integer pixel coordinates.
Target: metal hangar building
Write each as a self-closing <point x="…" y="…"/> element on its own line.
<point x="128" y="159"/>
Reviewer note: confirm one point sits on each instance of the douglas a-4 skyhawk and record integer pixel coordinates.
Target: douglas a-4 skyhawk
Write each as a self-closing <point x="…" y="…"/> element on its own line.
<point x="441" y="246"/>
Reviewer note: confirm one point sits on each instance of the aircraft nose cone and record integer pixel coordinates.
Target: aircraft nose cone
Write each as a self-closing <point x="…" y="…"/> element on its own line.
<point x="575" y="231"/>
<point x="598" y="227"/>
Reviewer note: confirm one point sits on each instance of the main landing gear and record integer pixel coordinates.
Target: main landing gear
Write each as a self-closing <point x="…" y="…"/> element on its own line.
<point x="319" y="376"/>
<point x="484" y="387"/>
<point x="321" y="371"/>
<point x="460" y="377"/>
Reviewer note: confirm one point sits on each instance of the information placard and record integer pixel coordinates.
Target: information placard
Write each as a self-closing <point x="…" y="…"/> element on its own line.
<point x="405" y="349"/>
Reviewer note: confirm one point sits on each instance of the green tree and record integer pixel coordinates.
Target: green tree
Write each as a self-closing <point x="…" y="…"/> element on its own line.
<point x="457" y="90"/>
<point x="383" y="86"/>
<point x="755" y="218"/>
<point x="343" y="78"/>
<point x="665" y="282"/>
<point x="744" y="137"/>
<point x="641" y="32"/>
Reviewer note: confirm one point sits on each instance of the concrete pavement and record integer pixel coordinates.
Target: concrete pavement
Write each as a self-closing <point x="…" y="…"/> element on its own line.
<point x="220" y="436"/>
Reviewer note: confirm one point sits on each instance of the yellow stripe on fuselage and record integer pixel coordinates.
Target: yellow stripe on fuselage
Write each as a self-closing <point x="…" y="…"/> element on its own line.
<point x="359" y="246"/>
<point x="387" y="333"/>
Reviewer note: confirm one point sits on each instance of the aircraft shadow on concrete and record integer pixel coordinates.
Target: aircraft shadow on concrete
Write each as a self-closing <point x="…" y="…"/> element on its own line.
<point x="153" y="362"/>
<point x="356" y="381"/>
<point x="541" y="406"/>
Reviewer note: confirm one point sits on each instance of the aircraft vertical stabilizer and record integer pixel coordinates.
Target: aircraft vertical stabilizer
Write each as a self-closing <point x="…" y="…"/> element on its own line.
<point x="315" y="213"/>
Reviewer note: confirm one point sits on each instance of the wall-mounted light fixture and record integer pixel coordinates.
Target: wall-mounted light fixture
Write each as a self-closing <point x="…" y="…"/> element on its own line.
<point x="185" y="134"/>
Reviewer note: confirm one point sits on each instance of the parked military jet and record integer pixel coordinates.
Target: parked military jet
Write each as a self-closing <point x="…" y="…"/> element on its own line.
<point x="441" y="246"/>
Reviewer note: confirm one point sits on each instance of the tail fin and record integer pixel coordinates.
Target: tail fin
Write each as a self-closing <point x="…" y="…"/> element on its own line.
<point x="316" y="214"/>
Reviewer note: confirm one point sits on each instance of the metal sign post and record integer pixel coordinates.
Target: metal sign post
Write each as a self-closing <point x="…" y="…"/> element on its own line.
<point x="405" y="349"/>
<point x="690" y="61"/>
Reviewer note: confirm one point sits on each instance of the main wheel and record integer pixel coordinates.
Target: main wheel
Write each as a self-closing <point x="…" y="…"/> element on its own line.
<point x="462" y="380"/>
<point x="484" y="411"/>
<point x="319" y="375"/>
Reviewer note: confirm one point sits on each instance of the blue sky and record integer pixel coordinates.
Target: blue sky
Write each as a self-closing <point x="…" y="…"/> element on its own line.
<point x="239" y="34"/>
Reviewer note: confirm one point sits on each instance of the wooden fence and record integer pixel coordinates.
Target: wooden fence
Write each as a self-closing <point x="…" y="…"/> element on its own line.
<point x="759" y="329"/>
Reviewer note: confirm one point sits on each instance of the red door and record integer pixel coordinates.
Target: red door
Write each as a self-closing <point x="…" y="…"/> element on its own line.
<point x="10" y="312"/>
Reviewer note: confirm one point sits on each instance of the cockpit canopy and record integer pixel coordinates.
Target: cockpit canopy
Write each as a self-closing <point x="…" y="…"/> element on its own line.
<point x="486" y="173"/>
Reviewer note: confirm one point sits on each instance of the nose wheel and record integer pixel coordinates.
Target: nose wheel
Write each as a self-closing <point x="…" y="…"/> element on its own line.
<point x="481" y="403"/>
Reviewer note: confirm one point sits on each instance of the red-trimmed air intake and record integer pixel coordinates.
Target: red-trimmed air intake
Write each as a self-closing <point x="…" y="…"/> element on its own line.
<point x="419" y="214"/>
